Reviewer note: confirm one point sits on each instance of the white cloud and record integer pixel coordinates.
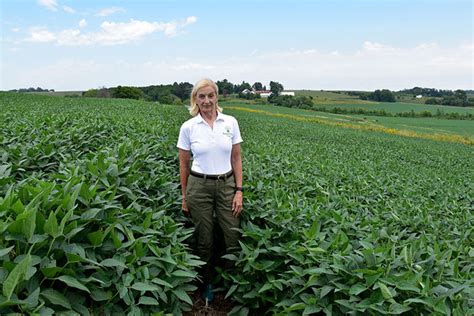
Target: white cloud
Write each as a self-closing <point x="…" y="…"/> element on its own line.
<point x="426" y="65"/>
<point x="192" y="66"/>
<point x="377" y="47"/>
<point x="82" y="23"/>
<point x="68" y="9"/>
<point x="49" y="4"/>
<point x="109" y="11"/>
<point x="110" y="33"/>
<point x="374" y="66"/>
<point x="41" y="35"/>
<point x="15" y="29"/>
<point x="190" y="20"/>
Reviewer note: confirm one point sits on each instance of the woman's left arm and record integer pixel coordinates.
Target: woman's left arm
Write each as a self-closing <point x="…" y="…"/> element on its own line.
<point x="236" y="161"/>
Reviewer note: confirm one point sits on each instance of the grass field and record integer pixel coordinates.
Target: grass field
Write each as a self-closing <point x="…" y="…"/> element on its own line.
<point x="337" y="219"/>
<point x="330" y="99"/>
<point x="399" y="107"/>
<point x="455" y="130"/>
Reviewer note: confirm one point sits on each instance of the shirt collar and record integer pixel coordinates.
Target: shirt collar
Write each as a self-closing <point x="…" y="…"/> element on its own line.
<point x="219" y="117"/>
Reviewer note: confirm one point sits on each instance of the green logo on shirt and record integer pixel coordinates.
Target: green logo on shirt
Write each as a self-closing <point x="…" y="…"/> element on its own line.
<point x="227" y="132"/>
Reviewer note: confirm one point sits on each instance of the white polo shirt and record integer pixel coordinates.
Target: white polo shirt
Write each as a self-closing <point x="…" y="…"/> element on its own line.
<point x="211" y="147"/>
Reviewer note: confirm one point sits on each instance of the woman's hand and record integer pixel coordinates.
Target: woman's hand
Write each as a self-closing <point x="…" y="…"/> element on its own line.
<point x="237" y="204"/>
<point x="184" y="207"/>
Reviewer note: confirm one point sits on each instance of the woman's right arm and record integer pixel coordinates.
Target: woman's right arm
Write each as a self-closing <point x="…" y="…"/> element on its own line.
<point x="184" y="158"/>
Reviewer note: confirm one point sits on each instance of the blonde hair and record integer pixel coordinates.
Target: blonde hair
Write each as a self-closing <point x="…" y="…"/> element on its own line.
<point x="193" y="108"/>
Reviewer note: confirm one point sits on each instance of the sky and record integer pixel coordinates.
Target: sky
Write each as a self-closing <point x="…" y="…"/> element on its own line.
<point x="71" y="45"/>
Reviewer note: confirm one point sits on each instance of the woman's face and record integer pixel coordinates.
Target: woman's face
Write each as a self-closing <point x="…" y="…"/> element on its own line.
<point x="206" y="100"/>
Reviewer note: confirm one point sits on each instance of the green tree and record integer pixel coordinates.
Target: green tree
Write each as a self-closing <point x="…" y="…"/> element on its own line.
<point x="225" y="87"/>
<point x="127" y="93"/>
<point x="383" y="95"/>
<point x="182" y="90"/>
<point x="431" y="101"/>
<point x="244" y="85"/>
<point x="257" y="86"/>
<point x="275" y="87"/>
<point x="387" y="96"/>
<point x="91" y="93"/>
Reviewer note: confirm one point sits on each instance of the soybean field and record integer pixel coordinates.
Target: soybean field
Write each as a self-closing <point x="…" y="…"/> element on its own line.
<point x="337" y="220"/>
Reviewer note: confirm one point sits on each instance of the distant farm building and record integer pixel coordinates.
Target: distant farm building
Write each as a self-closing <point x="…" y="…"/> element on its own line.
<point x="419" y="96"/>
<point x="263" y="93"/>
<point x="266" y="93"/>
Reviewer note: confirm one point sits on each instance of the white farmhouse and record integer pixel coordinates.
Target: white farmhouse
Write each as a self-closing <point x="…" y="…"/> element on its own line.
<point x="266" y="93"/>
<point x="247" y="91"/>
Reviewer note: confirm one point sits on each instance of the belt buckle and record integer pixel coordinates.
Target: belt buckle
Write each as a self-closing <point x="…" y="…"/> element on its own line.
<point x="219" y="177"/>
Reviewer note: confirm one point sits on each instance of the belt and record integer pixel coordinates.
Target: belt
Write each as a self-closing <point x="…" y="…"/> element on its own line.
<point x="213" y="176"/>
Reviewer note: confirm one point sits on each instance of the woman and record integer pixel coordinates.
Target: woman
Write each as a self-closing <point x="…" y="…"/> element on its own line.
<point x="213" y="184"/>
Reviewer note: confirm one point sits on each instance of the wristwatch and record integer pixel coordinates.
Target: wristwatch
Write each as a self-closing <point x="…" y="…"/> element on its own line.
<point x="239" y="189"/>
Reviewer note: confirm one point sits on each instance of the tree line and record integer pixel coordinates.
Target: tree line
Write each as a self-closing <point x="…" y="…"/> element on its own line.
<point x="427" y="92"/>
<point x="31" y="89"/>
<point x="383" y="95"/>
<point x="174" y="93"/>
<point x="458" y="98"/>
<point x="179" y="93"/>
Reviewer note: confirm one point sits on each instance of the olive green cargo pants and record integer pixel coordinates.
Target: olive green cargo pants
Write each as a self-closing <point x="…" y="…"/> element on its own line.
<point x="205" y="199"/>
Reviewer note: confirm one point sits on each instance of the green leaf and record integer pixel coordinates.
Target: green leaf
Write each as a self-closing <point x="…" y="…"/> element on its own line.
<point x="96" y="237"/>
<point x="239" y="310"/>
<point x="396" y="309"/>
<point x="325" y="290"/>
<point x="18" y="207"/>
<point x="182" y="295"/>
<point x="147" y="221"/>
<point x="162" y="282"/>
<point x="89" y="214"/>
<point x="113" y="263"/>
<point x="405" y="255"/>
<point x="16" y="276"/>
<point x="356" y="289"/>
<point x="146" y="300"/>
<point x="5" y="171"/>
<point x="140" y="286"/>
<point x="74" y="232"/>
<point x="6" y="251"/>
<point x="64" y="220"/>
<point x="28" y="223"/>
<point x="56" y="298"/>
<point x="231" y="257"/>
<point x="295" y="307"/>
<point x="32" y="299"/>
<point x="100" y="295"/>
<point x="3" y="275"/>
<point x="407" y="286"/>
<point x="311" y="309"/>
<point x="50" y="272"/>
<point x="184" y="274"/>
<point x="231" y="290"/>
<point x="51" y="226"/>
<point x="426" y="301"/>
<point x="385" y="291"/>
<point x="265" y="287"/>
<point x="72" y="282"/>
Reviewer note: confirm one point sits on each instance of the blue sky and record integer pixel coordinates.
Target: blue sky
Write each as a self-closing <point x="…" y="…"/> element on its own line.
<point x="347" y="45"/>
